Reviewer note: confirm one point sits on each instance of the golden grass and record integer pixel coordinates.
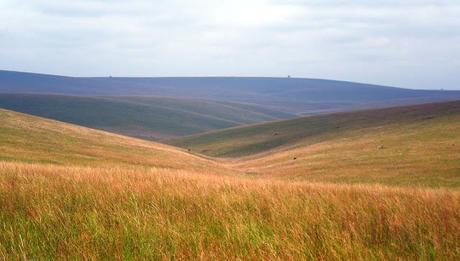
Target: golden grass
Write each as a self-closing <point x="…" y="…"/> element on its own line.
<point x="423" y="153"/>
<point x="25" y="138"/>
<point x="51" y="212"/>
<point x="68" y="192"/>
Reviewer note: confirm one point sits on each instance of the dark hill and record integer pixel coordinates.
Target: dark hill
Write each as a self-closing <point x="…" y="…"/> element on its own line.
<point x="292" y="95"/>
<point x="143" y="117"/>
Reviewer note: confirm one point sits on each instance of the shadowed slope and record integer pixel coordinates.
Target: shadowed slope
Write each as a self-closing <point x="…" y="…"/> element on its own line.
<point x="143" y="117"/>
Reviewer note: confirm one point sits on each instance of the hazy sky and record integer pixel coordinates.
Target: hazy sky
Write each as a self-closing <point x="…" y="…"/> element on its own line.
<point x="408" y="43"/>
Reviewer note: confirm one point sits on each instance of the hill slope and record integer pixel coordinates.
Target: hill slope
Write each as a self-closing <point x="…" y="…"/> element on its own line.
<point x="290" y="95"/>
<point x="143" y="117"/>
<point x="416" y="145"/>
<point x="257" y="138"/>
<point x="30" y="139"/>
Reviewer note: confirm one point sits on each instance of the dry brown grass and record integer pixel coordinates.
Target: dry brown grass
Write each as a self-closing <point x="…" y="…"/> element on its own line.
<point x="424" y="153"/>
<point x="68" y="192"/>
<point x="105" y="213"/>
<point x="25" y="138"/>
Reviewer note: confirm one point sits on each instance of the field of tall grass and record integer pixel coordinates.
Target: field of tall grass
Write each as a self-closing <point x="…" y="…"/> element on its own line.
<point x="403" y="146"/>
<point x="68" y="192"/>
<point x="49" y="211"/>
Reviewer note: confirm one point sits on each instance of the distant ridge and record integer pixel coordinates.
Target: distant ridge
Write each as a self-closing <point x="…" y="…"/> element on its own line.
<point x="291" y="95"/>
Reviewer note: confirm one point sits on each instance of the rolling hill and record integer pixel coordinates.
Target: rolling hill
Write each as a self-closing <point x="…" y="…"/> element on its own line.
<point x="165" y="108"/>
<point x="414" y="145"/>
<point x="143" y="117"/>
<point x="290" y="95"/>
<point x="30" y="139"/>
<point x="69" y="192"/>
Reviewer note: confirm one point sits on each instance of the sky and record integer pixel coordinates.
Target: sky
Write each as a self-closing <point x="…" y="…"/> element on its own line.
<point x="405" y="43"/>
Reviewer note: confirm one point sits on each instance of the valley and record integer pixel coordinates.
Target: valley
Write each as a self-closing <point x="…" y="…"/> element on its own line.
<point x="150" y="118"/>
<point x="191" y="168"/>
<point x="230" y="130"/>
<point x="69" y="191"/>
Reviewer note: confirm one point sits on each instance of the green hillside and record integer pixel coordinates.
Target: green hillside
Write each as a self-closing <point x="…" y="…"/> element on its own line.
<point x="143" y="117"/>
<point x="258" y="138"/>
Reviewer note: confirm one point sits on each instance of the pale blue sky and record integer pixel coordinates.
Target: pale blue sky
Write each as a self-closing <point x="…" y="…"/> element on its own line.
<point x="413" y="43"/>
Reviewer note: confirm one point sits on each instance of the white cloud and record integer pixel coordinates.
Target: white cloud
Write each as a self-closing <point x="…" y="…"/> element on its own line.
<point x="406" y="43"/>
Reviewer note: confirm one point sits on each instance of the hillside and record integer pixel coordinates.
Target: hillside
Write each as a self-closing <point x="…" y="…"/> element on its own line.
<point x="69" y="192"/>
<point x="410" y="146"/>
<point x="29" y="139"/>
<point x="291" y="95"/>
<point x="143" y="117"/>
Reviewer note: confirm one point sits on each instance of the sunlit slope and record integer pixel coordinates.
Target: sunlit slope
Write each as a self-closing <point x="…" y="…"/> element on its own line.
<point x="408" y="146"/>
<point x="31" y="139"/>
<point x="143" y="117"/>
<point x="249" y="140"/>
<point x="424" y="153"/>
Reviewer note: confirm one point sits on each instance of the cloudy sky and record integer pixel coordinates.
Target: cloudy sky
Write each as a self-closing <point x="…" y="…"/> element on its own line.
<point x="408" y="43"/>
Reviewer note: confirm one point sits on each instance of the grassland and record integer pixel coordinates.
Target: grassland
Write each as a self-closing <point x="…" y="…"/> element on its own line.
<point x="30" y="139"/>
<point x="407" y="146"/>
<point x="414" y="154"/>
<point x="70" y="212"/>
<point x="149" y="118"/>
<point x="68" y="192"/>
<point x="259" y="138"/>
